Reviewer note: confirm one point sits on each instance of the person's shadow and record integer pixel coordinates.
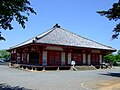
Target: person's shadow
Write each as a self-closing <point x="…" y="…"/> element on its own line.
<point x="4" y="86"/>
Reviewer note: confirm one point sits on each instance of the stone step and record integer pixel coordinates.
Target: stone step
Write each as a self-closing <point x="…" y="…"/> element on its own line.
<point x="80" y="68"/>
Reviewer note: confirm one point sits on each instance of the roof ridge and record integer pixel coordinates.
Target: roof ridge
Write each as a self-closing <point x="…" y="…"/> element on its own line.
<point x="45" y="33"/>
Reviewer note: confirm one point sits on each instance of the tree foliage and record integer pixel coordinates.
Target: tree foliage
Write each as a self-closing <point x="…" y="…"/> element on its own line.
<point x="1" y="38"/>
<point x="113" y="14"/>
<point x="109" y="58"/>
<point x="4" y="54"/>
<point x="113" y="58"/>
<point x="17" y="10"/>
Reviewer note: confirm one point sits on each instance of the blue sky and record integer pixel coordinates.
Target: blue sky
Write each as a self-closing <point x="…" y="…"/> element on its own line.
<point x="78" y="16"/>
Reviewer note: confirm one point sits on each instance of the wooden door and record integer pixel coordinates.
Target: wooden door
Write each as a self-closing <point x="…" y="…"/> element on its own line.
<point x="95" y="59"/>
<point x="77" y="57"/>
<point x="34" y="58"/>
<point x="54" y="58"/>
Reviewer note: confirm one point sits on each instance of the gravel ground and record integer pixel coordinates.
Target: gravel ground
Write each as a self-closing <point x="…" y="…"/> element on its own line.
<point x="15" y="79"/>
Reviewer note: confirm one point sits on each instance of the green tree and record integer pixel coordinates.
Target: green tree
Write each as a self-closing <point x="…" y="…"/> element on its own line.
<point x="113" y="58"/>
<point x="118" y="56"/>
<point x="4" y="54"/>
<point x="14" y="10"/>
<point x="113" y="14"/>
<point x="109" y="58"/>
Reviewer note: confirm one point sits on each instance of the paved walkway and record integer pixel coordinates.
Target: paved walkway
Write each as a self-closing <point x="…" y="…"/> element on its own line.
<point x="54" y="80"/>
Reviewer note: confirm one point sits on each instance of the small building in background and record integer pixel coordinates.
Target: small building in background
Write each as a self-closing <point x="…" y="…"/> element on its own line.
<point x="58" y="47"/>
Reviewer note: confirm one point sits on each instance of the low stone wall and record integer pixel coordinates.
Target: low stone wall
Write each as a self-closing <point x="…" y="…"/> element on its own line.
<point x="4" y="63"/>
<point x="44" y="68"/>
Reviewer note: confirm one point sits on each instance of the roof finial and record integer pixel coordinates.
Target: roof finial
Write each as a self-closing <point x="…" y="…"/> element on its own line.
<point x="56" y="26"/>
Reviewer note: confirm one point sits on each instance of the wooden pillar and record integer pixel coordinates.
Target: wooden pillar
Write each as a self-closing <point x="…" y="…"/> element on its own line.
<point x="40" y="57"/>
<point x="20" y="57"/>
<point x="15" y="55"/>
<point x="86" y="59"/>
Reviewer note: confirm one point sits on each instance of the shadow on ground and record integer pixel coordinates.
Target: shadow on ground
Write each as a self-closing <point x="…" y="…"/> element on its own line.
<point x="8" y="87"/>
<point x="112" y="74"/>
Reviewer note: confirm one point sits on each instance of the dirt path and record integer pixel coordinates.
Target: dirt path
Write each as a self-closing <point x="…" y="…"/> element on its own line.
<point x="104" y="85"/>
<point x="111" y="85"/>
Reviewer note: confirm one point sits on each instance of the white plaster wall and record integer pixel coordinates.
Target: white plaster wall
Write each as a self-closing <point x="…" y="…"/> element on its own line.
<point x="62" y="58"/>
<point x="89" y="61"/>
<point x="14" y="51"/>
<point x="100" y="59"/>
<point x="22" y="56"/>
<point x="69" y="58"/>
<point x="28" y="58"/>
<point x="84" y="58"/>
<point x="44" y="58"/>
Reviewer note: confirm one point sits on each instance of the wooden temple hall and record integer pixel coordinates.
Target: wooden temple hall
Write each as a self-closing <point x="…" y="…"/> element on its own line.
<point x="57" y="47"/>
